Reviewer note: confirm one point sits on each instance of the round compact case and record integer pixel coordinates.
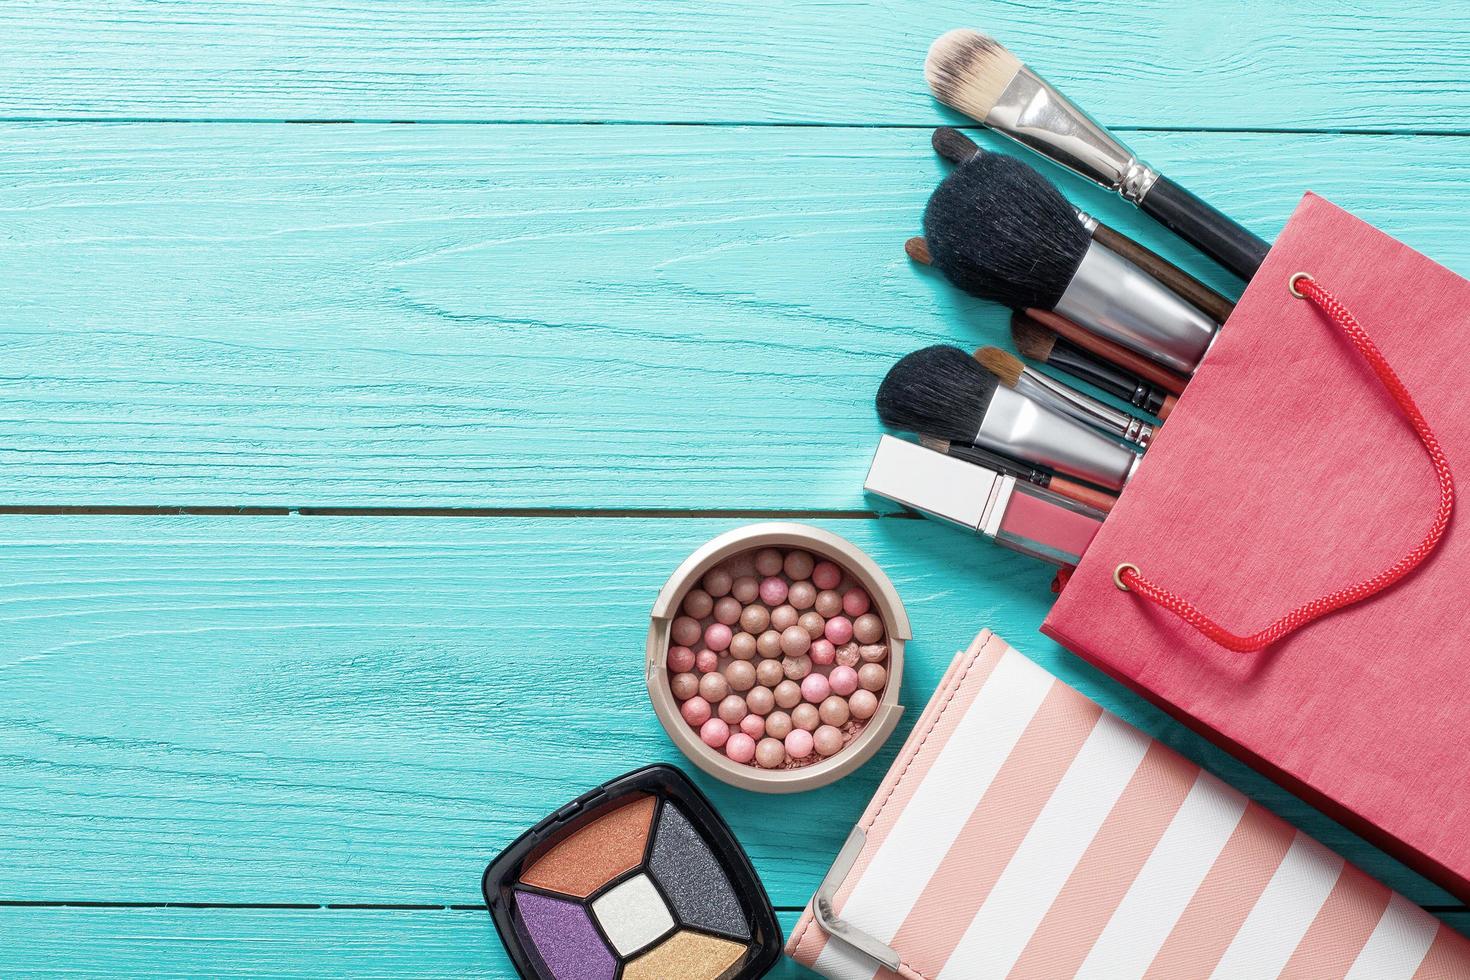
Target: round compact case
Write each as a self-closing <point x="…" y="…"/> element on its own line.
<point x="775" y="656"/>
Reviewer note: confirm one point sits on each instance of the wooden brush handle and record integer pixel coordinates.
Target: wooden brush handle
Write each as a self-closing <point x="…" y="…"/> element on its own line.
<point x="1109" y="351"/>
<point x="918" y="250"/>
<point x="1211" y="303"/>
<point x="1096" y="499"/>
<point x="1167" y="407"/>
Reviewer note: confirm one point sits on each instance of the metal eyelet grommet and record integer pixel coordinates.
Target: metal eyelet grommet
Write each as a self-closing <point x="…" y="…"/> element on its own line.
<point x="1118" y="575"/>
<point x="1291" y="283"/>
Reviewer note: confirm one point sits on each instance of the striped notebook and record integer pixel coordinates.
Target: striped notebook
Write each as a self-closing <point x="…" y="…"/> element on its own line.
<point x="1024" y="832"/>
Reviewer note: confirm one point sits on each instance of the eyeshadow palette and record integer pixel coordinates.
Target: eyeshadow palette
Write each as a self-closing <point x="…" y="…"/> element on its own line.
<point x="639" y="879"/>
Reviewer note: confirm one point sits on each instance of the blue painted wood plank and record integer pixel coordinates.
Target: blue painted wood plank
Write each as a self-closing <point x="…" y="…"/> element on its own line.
<point x="512" y="316"/>
<point x="330" y="710"/>
<point x="1154" y="63"/>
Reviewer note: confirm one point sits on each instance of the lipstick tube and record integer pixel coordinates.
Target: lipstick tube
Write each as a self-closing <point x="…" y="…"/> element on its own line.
<point x="1015" y="514"/>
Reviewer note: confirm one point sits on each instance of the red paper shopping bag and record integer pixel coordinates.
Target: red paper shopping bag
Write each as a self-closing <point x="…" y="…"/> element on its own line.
<point x="1287" y="473"/>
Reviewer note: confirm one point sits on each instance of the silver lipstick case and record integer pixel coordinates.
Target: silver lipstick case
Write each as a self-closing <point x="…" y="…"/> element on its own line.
<point x="1037" y="116"/>
<point x="1084" y="408"/>
<point x="1115" y="299"/>
<point x="1024" y="428"/>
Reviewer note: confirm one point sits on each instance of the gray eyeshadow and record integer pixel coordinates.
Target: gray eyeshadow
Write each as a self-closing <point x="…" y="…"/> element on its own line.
<point x="692" y="877"/>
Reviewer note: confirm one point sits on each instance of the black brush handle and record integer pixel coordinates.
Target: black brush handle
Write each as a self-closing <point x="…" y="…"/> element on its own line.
<point x="1114" y="380"/>
<point x="1202" y="226"/>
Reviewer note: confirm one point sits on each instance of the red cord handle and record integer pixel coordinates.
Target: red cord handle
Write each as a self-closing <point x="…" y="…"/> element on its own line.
<point x="1130" y="579"/>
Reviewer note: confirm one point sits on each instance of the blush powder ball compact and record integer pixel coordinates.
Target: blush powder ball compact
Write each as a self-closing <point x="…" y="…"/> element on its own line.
<point x="774" y="657"/>
<point x="639" y="879"/>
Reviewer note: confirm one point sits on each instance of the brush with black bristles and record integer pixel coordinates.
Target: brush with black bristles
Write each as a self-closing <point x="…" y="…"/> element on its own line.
<point x="943" y="392"/>
<point x="1013" y="373"/>
<point x="1004" y="465"/>
<point x="998" y="229"/>
<point x="959" y="149"/>
<point x="976" y="75"/>
<point x="1037" y="343"/>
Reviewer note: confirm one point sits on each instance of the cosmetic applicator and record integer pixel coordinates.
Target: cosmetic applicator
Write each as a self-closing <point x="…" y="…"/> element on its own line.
<point x="998" y="229"/>
<point x="943" y="392"/>
<point x="1081" y="493"/>
<point x="958" y="148"/>
<point x="1040" y="344"/>
<point x="976" y="75"/>
<point x="1105" y="349"/>
<point x="1013" y="373"/>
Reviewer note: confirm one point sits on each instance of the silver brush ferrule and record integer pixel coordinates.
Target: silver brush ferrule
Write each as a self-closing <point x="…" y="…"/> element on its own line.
<point x="1024" y="428"/>
<point x="1036" y="115"/>
<point x="1084" y="408"/>
<point x="1117" y="300"/>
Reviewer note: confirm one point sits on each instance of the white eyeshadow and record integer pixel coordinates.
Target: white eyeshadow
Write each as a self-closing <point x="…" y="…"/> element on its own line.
<point x="633" y="914"/>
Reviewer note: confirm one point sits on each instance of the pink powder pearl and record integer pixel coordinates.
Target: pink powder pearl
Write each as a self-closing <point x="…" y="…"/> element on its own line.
<point x="867" y="628"/>
<point x="685" y="631"/>
<point x="798" y="565"/>
<point x="732" y="709"/>
<point x="717" y="582"/>
<point x="801" y="595"/>
<point x="717" y="637"/>
<point x="828" y="603"/>
<point x="795" y="641"/>
<point x="769" y="753"/>
<point x="828" y="740"/>
<point x="863" y="705"/>
<point x="754" y="726"/>
<point x="826" y="575"/>
<point x="681" y="659"/>
<point x="707" y="661"/>
<point x="768" y="561"/>
<point x="714" y="732"/>
<point x="844" y="680"/>
<point x="778" y="724"/>
<point x="773" y="591"/>
<point x="740" y="747"/>
<point x="760" y="700"/>
<point x="783" y="617"/>
<point x="698" y="603"/>
<point x="727" y="611"/>
<point x="815" y="688"/>
<point x="839" y="629"/>
<point x="799" y="744"/>
<point x="696" y="711"/>
<point x="822" y="652"/>
<point x="684" y="686"/>
<point x="872" y="677"/>
<point x="855" y="602"/>
<point x="745" y="589"/>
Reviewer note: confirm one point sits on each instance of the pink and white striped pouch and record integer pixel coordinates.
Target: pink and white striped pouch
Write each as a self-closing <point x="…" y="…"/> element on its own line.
<point x="1024" y="832"/>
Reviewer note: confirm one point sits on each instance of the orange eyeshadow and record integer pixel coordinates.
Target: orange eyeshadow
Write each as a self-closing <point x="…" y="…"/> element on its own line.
<point x="611" y="845"/>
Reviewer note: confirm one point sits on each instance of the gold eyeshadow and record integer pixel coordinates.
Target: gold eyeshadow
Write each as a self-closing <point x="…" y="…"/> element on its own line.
<point x="639" y="878"/>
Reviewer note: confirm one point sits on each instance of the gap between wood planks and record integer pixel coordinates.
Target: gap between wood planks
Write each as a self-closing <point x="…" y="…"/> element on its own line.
<point x="601" y="513"/>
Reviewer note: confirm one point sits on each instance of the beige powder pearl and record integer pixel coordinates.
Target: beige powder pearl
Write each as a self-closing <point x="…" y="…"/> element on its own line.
<point x="834" y="711"/>
<point x="768" y="561"/>
<point x="755" y="619"/>
<point x="873" y="652"/>
<point x="687" y="632"/>
<point x="698" y="603"/>
<point x="828" y="740"/>
<point x="795" y="641"/>
<point x="872" y="677"/>
<point x="746" y="588"/>
<point x="783" y="617"/>
<point x="795" y="668"/>
<point x="778" y="724"/>
<point x="742" y="646"/>
<point x="768" y="644"/>
<point x="760" y="700"/>
<point x="684" y="686"/>
<point x="742" y="565"/>
<point x="741" y="675"/>
<point x="828" y="603"/>
<point x="848" y="656"/>
<point x="806" y="717"/>
<point x="801" y="595"/>
<point x="813" y="623"/>
<point x="768" y="673"/>
<point x="727" y="611"/>
<point x="862" y="704"/>
<point x="798" y="565"/>
<point x="867" y="628"/>
<point x="714" y="688"/>
<point x="770" y="753"/>
<point x="788" y="694"/>
<point x="717" y="581"/>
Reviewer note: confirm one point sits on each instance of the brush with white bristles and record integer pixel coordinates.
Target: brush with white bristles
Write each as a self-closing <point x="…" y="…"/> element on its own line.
<point x="976" y="75"/>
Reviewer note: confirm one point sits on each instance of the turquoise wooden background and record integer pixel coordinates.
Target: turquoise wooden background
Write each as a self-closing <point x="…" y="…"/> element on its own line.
<point x="368" y="366"/>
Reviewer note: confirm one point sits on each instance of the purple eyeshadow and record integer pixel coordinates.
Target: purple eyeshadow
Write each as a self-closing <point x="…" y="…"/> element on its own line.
<point x="565" y="938"/>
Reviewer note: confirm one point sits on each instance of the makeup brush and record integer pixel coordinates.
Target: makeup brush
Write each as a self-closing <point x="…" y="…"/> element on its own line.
<point x="1037" y="343"/>
<point x="976" y="75"/>
<point x="1013" y="373"/>
<point x="943" y="392"/>
<point x="1081" y="493"/>
<point x="998" y="229"/>
<point x="958" y="149"/>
